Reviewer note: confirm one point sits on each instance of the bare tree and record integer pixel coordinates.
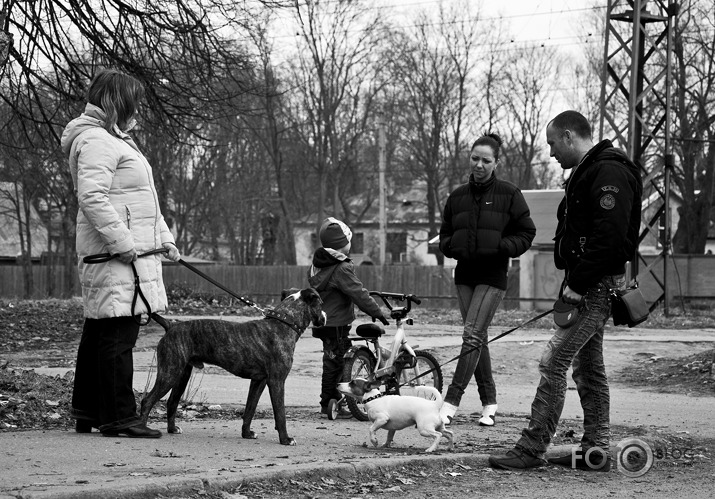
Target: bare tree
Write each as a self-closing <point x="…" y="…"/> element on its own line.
<point x="529" y="77"/>
<point x="176" y="48"/>
<point x="694" y="107"/>
<point x="18" y="197"/>
<point x="5" y="39"/>
<point x="693" y="135"/>
<point x="334" y="73"/>
<point x="34" y="168"/>
<point x="426" y="73"/>
<point x="432" y="66"/>
<point x="195" y="71"/>
<point x="270" y="128"/>
<point x="461" y="44"/>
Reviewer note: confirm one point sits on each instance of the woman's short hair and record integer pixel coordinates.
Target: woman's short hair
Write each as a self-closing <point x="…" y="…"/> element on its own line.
<point x="492" y="140"/>
<point x="117" y="94"/>
<point x="574" y="121"/>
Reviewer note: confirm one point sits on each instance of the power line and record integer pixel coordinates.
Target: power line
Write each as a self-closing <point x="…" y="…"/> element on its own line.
<point x="468" y="19"/>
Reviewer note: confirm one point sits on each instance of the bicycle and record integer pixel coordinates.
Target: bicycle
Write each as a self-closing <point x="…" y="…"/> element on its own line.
<point x="396" y="367"/>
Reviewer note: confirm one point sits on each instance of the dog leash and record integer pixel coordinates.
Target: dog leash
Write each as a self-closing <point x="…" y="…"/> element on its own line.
<point x="267" y="313"/>
<point x="533" y="319"/>
<point x="105" y="257"/>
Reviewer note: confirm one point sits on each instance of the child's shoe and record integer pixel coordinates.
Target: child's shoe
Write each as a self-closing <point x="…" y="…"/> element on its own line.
<point x="343" y="411"/>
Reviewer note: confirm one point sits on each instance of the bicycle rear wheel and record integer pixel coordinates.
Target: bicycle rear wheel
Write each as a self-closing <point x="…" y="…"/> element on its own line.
<point x="360" y="365"/>
<point x="425" y="363"/>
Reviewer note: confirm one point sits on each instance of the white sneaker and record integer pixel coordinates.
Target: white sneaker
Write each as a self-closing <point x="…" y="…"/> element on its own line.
<point x="488" y="415"/>
<point x="447" y="412"/>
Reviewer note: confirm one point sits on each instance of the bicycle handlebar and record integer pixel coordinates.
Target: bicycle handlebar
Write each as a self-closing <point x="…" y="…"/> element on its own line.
<point x="385" y="296"/>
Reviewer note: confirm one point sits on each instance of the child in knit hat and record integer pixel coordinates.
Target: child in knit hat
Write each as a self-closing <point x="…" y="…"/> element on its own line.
<point x="332" y="274"/>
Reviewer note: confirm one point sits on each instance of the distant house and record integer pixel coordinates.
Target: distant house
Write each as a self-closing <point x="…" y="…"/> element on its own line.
<point x="407" y="234"/>
<point x="10" y="248"/>
<point x="539" y="280"/>
<point x="651" y="244"/>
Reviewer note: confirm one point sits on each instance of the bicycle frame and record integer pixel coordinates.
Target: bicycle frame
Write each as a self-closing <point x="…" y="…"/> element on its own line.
<point x="393" y="366"/>
<point x="384" y="358"/>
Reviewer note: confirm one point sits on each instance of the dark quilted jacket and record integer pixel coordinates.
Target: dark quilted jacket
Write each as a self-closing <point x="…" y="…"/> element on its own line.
<point x="483" y="225"/>
<point x="600" y="233"/>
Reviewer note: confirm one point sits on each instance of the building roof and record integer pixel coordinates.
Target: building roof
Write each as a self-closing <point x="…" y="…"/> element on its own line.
<point x="409" y="212"/>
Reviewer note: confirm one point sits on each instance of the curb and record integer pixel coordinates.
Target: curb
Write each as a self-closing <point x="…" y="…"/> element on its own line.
<point x="214" y="484"/>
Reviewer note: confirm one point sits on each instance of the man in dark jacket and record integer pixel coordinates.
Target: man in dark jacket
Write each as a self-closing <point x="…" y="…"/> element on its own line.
<point x="597" y="233"/>
<point x="333" y="276"/>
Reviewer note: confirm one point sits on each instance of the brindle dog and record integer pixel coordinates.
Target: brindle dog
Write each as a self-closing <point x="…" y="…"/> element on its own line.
<point x="260" y="350"/>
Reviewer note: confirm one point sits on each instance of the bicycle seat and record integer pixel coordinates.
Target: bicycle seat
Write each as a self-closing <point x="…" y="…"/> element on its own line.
<point x="370" y="331"/>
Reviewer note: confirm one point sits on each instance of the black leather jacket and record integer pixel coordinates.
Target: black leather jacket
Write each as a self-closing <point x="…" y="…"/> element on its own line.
<point x="599" y="217"/>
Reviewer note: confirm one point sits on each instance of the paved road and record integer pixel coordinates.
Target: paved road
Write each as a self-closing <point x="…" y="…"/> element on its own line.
<point x="515" y="390"/>
<point x="211" y="453"/>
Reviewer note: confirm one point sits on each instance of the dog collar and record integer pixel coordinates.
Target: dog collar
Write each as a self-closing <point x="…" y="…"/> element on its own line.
<point x="284" y="318"/>
<point x="370" y="399"/>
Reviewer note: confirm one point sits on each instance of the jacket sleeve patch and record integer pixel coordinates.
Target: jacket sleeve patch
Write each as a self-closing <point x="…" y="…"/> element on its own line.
<point x="608" y="202"/>
<point x="607" y="188"/>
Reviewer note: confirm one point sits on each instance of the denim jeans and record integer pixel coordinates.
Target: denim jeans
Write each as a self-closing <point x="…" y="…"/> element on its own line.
<point x="103" y="390"/>
<point x="478" y="304"/>
<point x="582" y="345"/>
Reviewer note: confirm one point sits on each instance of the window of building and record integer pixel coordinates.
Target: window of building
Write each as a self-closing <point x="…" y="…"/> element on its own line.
<point x="357" y="245"/>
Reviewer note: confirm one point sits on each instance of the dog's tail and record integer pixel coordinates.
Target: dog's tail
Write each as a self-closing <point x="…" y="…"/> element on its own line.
<point x="429" y="393"/>
<point x="160" y="320"/>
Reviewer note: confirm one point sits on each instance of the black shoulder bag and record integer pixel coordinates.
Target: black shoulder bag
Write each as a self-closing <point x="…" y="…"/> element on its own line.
<point x="628" y="306"/>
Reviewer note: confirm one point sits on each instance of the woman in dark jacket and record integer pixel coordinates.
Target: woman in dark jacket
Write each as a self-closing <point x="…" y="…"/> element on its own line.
<point x="485" y="222"/>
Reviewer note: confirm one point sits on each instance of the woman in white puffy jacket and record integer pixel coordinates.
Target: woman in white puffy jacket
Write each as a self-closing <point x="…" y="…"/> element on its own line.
<point x="118" y="214"/>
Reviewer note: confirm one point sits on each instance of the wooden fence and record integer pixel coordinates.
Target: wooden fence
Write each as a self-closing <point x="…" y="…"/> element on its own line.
<point x="433" y="284"/>
<point x="689" y="276"/>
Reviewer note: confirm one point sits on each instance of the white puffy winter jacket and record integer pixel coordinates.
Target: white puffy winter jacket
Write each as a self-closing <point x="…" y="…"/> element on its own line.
<point x="118" y="211"/>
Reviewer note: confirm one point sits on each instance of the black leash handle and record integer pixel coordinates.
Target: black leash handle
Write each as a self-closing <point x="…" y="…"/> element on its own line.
<point x="105" y="257"/>
<point x="138" y="293"/>
<point x="544" y="314"/>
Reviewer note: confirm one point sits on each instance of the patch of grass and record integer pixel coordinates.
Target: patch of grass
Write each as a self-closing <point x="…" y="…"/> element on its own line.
<point x="689" y="374"/>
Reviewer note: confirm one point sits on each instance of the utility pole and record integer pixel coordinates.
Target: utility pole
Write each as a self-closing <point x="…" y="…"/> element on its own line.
<point x="638" y="38"/>
<point x="382" y="148"/>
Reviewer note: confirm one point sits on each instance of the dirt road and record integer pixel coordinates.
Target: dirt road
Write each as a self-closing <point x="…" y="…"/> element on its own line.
<point x="674" y="421"/>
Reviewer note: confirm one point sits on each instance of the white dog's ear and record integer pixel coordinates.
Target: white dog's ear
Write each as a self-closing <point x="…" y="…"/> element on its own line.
<point x="287" y="292"/>
<point x="371" y="385"/>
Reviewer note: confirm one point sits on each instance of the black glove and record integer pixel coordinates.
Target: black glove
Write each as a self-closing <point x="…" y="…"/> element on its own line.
<point x="383" y="319"/>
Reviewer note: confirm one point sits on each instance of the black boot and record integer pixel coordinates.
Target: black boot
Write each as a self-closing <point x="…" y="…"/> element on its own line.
<point x="85" y="425"/>
<point x="139" y="431"/>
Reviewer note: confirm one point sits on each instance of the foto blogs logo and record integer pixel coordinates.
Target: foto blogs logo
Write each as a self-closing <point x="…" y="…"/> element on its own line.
<point x="633" y="456"/>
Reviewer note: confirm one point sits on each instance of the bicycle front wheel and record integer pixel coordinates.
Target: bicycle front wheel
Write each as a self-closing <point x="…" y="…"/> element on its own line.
<point x="360" y="365"/>
<point x="425" y="363"/>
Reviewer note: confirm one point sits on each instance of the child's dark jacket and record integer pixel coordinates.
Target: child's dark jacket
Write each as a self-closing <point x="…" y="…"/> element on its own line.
<point x="339" y="288"/>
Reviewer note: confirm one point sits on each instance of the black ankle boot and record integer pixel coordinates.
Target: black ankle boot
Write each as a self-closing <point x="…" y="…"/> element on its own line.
<point x="139" y="431"/>
<point x="85" y="425"/>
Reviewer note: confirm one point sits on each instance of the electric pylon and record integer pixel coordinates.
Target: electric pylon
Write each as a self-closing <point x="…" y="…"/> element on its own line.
<point x="637" y="74"/>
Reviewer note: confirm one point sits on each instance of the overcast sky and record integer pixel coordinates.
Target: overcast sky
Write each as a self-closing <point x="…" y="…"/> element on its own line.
<point x="546" y="21"/>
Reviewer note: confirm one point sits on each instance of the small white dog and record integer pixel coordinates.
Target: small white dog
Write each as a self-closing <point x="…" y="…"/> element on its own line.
<point x="395" y="412"/>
